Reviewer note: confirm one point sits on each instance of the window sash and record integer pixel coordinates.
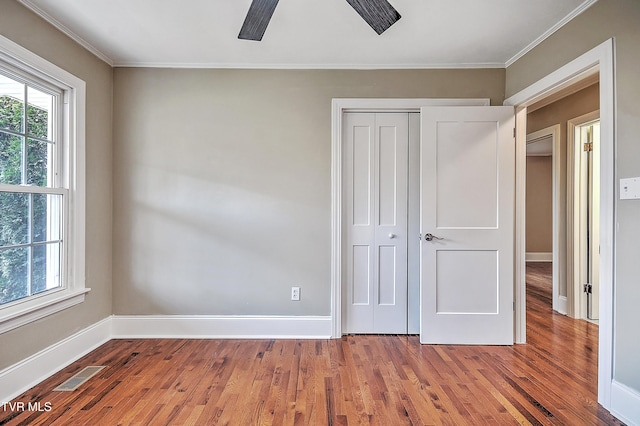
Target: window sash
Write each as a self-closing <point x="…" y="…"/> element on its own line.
<point x="30" y="189"/>
<point x="55" y="125"/>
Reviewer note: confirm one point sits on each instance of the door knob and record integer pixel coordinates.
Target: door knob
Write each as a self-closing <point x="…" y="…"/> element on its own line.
<point x="431" y="237"/>
<point x="392" y="236"/>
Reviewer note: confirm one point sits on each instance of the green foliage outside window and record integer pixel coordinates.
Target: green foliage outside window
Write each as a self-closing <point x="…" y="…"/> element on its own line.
<point x="19" y="266"/>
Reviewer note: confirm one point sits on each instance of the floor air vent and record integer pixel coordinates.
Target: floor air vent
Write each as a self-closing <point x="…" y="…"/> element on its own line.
<point x="79" y="378"/>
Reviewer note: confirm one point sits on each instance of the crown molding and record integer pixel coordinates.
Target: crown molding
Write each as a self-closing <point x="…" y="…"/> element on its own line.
<point x="310" y="66"/>
<point x="82" y="42"/>
<point x="577" y="11"/>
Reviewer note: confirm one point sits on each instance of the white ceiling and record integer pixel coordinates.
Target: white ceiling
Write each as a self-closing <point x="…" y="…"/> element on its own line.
<point x="308" y="33"/>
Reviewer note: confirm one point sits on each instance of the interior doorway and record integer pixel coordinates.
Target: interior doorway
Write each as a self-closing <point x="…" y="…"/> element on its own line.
<point x="545" y="208"/>
<point x="550" y="205"/>
<point x="598" y="60"/>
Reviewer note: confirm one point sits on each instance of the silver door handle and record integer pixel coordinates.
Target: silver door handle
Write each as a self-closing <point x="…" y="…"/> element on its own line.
<point x="431" y="237"/>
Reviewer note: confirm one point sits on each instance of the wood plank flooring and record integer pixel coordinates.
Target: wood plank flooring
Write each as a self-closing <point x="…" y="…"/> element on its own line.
<point x="379" y="380"/>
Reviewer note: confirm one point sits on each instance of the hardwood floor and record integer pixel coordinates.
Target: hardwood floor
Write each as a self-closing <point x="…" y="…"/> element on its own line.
<point x="381" y="380"/>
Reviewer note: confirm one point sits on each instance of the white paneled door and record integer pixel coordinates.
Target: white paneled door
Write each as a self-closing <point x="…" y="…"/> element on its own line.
<point x="376" y="156"/>
<point x="467" y="225"/>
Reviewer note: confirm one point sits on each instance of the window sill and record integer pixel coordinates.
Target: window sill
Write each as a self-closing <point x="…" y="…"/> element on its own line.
<point x="32" y="310"/>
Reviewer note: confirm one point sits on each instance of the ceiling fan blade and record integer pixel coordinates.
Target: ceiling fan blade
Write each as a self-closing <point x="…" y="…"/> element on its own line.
<point x="257" y="19"/>
<point x="379" y="14"/>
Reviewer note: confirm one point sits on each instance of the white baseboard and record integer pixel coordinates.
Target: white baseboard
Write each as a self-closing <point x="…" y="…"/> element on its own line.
<point x="539" y="257"/>
<point x="227" y="327"/>
<point x="625" y="404"/>
<point x="27" y="373"/>
<point x="563" y="305"/>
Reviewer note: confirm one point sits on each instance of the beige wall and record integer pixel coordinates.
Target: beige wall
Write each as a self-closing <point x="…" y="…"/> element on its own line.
<point x="539" y="205"/>
<point x="618" y="19"/>
<point x="23" y="27"/>
<point x="223" y="182"/>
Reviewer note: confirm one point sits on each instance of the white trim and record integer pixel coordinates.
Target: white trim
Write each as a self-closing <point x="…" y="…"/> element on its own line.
<point x="575" y="88"/>
<point x="557" y="221"/>
<point x="574" y="290"/>
<point x="519" y="255"/>
<point x="600" y="57"/>
<point x="221" y="326"/>
<point x="338" y="107"/>
<point x="27" y="373"/>
<point x="75" y="37"/>
<point x="17" y="316"/>
<point x="24" y="58"/>
<point x="539" y="257"/>
<point x="577" y="11"/>
<point x="562" y="304"/>
<point x="73" y="277"/>
<point x="625" y="404"/>
<point x="309" y="66"/>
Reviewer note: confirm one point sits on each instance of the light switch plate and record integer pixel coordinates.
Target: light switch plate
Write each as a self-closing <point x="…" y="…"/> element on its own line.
<point x="630" y="188"/>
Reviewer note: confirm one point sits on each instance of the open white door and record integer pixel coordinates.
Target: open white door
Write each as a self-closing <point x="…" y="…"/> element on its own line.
<point x="467" y="225"/>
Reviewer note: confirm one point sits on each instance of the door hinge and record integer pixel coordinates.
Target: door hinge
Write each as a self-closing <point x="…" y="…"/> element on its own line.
<point x="514" y="306"/>
<point x="514" y="132"/>
<point x="588" y="288"/>
<point x="588" y="147"/>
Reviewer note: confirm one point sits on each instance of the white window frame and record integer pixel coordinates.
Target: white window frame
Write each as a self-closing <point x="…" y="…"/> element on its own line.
<point x="73" y="287"/>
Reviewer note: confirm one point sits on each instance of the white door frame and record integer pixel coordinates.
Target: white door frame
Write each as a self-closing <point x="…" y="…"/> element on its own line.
<point x="574" y="291"/>
<point x="558" y="224"/>
<point x="599" y="59"/>
<point x="338" y="107"/>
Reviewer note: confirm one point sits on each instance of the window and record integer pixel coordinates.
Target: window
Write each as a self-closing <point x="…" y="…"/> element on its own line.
<point x="41" y="187"/>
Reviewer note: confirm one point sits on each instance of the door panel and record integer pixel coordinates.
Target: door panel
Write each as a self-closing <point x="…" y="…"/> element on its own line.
<point x="387" y="260"/>
<point x="376" y="174"/>
<point x="466" y="199"/>
<point x="467" y="203"/>
<point x="361" y="156"/>
<point x="361" y="276"/>
<point x="453" y="296"/>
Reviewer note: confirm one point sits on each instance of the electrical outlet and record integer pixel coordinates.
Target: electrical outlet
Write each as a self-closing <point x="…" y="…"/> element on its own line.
<point x="295" y="293"/>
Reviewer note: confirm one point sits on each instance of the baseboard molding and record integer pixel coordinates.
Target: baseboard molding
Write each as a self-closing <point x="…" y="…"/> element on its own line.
<point x="226" y="327"/>
<point x="625" y="404"/>
<point x="27" y="373"/>
<point x="539" y="257"/>
<point x="563" y="305"/>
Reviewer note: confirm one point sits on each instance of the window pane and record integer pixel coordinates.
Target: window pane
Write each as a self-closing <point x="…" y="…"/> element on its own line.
<point x="14" y="218"/>
<point x="46" y="268"/>
<point x="14" y="272"/>
<point x="10" y="159"/>
<point x="39" y="107"/>
<point x="38" y="155"/>
<point x="11" y="104"/>
<point x="46" y="217"/>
